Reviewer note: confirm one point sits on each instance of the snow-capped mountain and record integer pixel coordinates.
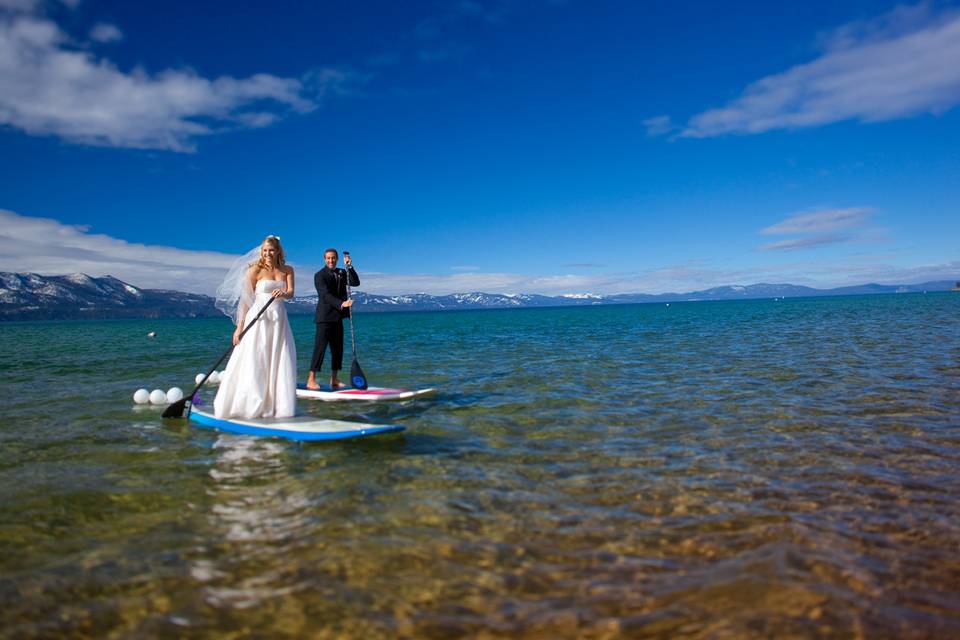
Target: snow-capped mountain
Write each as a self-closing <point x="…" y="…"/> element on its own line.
<point x="28" y="296"/>
<point x="427" y="302"/>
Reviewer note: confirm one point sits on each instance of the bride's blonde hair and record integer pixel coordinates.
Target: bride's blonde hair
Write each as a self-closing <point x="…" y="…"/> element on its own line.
<point x="281" y="258"/>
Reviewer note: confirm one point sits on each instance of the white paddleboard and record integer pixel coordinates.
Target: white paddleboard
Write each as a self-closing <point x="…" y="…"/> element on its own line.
<point x="303" y="427"/>
<point x="371" y="394"/>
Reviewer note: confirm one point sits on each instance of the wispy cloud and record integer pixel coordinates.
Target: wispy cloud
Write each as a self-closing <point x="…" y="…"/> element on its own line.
<point x="821" y="274"/>
<point x="658" y="126"/>
<point x="51" y="86"/>
<point x="851" y="273"/>
<point x="104" y="32"/>
<point x="804" y="243"/>
<point x="820" y="221"/>
<point x="680" y="278"/>
<point x="50" y="247"/>
<point x="901" y="64"/>
<point x="816" y="228"/>
<point x="19" y="5"/>
<point x="395" y="284"/>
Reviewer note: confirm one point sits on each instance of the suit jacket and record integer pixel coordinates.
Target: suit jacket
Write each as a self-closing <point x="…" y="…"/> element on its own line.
<point x="332" y="291"/>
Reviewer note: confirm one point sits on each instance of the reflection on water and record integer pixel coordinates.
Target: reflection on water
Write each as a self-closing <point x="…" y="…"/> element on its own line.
<point x="256" y="511"/>
<point x="750" y="469"/>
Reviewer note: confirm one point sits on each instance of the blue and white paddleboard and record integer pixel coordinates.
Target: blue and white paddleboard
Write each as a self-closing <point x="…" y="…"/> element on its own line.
<point x="305" y="428"/>
<point x="370" y="394"/>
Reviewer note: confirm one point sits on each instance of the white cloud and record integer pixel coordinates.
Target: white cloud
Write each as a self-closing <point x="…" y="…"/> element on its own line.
<point x="19" y="5"/>
<point x="816" y="225"/>
<point x="819" y="274"/>
<point x="659" y="125"/>
<point x="820" y="221"/>
<point x="850" y="274"/>
<point x="49" y="247"/>
<point x="902" y="64"/>
<point x="804" y="243"/>
<point x="396" y="284"/>
<point x="898" y="21"/>
<point x="50" y="85"/>
<point x="103" y="32"/>
<point x="500" y="282"/>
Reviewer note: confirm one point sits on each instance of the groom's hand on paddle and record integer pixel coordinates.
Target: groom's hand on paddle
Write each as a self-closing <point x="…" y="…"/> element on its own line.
<point x="347" y="303"/>
<point x="347" y="261"/>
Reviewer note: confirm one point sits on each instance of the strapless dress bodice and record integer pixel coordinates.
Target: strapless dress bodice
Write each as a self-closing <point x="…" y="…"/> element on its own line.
<point x="269" y="286"/>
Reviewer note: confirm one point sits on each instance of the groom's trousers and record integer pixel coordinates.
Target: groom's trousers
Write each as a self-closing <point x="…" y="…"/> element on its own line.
<point x="328" y="333"/>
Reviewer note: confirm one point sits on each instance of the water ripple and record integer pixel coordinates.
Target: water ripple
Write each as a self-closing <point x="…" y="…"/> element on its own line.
<point x="748" y="469"/>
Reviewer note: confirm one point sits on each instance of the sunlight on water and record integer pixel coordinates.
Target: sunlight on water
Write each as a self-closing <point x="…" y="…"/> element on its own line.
<point x="741" y="469"/>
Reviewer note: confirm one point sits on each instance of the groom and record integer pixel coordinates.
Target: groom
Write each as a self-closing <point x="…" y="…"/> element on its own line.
<point x="332" y="307"/>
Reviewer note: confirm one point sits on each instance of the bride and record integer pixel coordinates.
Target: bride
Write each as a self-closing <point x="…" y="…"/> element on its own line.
<point x="260" y="380"/>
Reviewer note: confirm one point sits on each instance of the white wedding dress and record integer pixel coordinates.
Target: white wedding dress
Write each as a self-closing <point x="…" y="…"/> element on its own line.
<point x="260" y="380"/>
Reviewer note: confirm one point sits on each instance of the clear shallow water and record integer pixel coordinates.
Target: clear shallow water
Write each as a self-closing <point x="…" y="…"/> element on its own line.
<point x="740" y="469"/>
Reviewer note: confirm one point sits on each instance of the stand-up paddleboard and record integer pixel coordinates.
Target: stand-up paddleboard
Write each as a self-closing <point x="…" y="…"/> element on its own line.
<point x="373" y="394"/>
<point x="304" y="427"/>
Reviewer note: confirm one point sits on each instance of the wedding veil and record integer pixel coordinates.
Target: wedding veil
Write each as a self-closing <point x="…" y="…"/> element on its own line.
<point x="235" y="295"/>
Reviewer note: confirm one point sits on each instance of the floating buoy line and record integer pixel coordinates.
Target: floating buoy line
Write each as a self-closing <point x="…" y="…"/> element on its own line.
<point x="173" y="394"/>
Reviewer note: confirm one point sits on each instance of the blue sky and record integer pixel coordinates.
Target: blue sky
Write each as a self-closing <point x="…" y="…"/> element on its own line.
<point x="508" y="146"/>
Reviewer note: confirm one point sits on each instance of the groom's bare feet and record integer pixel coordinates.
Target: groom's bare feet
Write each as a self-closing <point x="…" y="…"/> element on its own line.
<point x="312" y="382"/>
<point x="336" y="384"/>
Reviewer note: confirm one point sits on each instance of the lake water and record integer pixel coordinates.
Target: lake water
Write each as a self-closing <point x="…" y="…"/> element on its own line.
<point x="702" y="470"/>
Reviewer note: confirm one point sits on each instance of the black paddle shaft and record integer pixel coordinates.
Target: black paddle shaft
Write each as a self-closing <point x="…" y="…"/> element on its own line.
<point x="357" y="377"/>
<point x="353" y="339"/>
<point x="176" y="409"/>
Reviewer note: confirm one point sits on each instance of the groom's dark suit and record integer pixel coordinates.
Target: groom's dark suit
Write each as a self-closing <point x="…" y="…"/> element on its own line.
<point x="331" y="293"/>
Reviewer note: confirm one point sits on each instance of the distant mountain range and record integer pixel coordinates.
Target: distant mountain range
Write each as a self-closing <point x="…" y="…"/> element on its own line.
<point x="28" y="296"/>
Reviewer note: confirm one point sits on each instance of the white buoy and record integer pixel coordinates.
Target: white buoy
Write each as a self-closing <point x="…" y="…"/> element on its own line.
<point x="174" y="394"/>
<point x="198" y="378"/>
<point x="141" y="396"/>
<point x="157" y="396"/>
<point x="152" y="334"/>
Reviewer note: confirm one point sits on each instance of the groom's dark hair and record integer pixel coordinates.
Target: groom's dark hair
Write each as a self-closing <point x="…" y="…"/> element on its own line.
<point x="329" y="250"/>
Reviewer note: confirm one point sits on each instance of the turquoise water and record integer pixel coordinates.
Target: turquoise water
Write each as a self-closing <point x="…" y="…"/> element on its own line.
<point x="734" y="469"/>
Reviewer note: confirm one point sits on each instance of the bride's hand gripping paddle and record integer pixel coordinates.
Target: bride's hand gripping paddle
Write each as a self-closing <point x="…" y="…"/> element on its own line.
<point x="357" y="377"/>
<point x="176" y="409"/>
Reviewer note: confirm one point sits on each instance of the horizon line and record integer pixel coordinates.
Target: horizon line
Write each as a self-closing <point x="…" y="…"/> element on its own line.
<point x="955" y="279"/>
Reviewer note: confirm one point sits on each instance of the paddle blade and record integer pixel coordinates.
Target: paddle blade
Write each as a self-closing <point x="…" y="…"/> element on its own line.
<point x="176" y="409"/>
<point x="357" y="378"/>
